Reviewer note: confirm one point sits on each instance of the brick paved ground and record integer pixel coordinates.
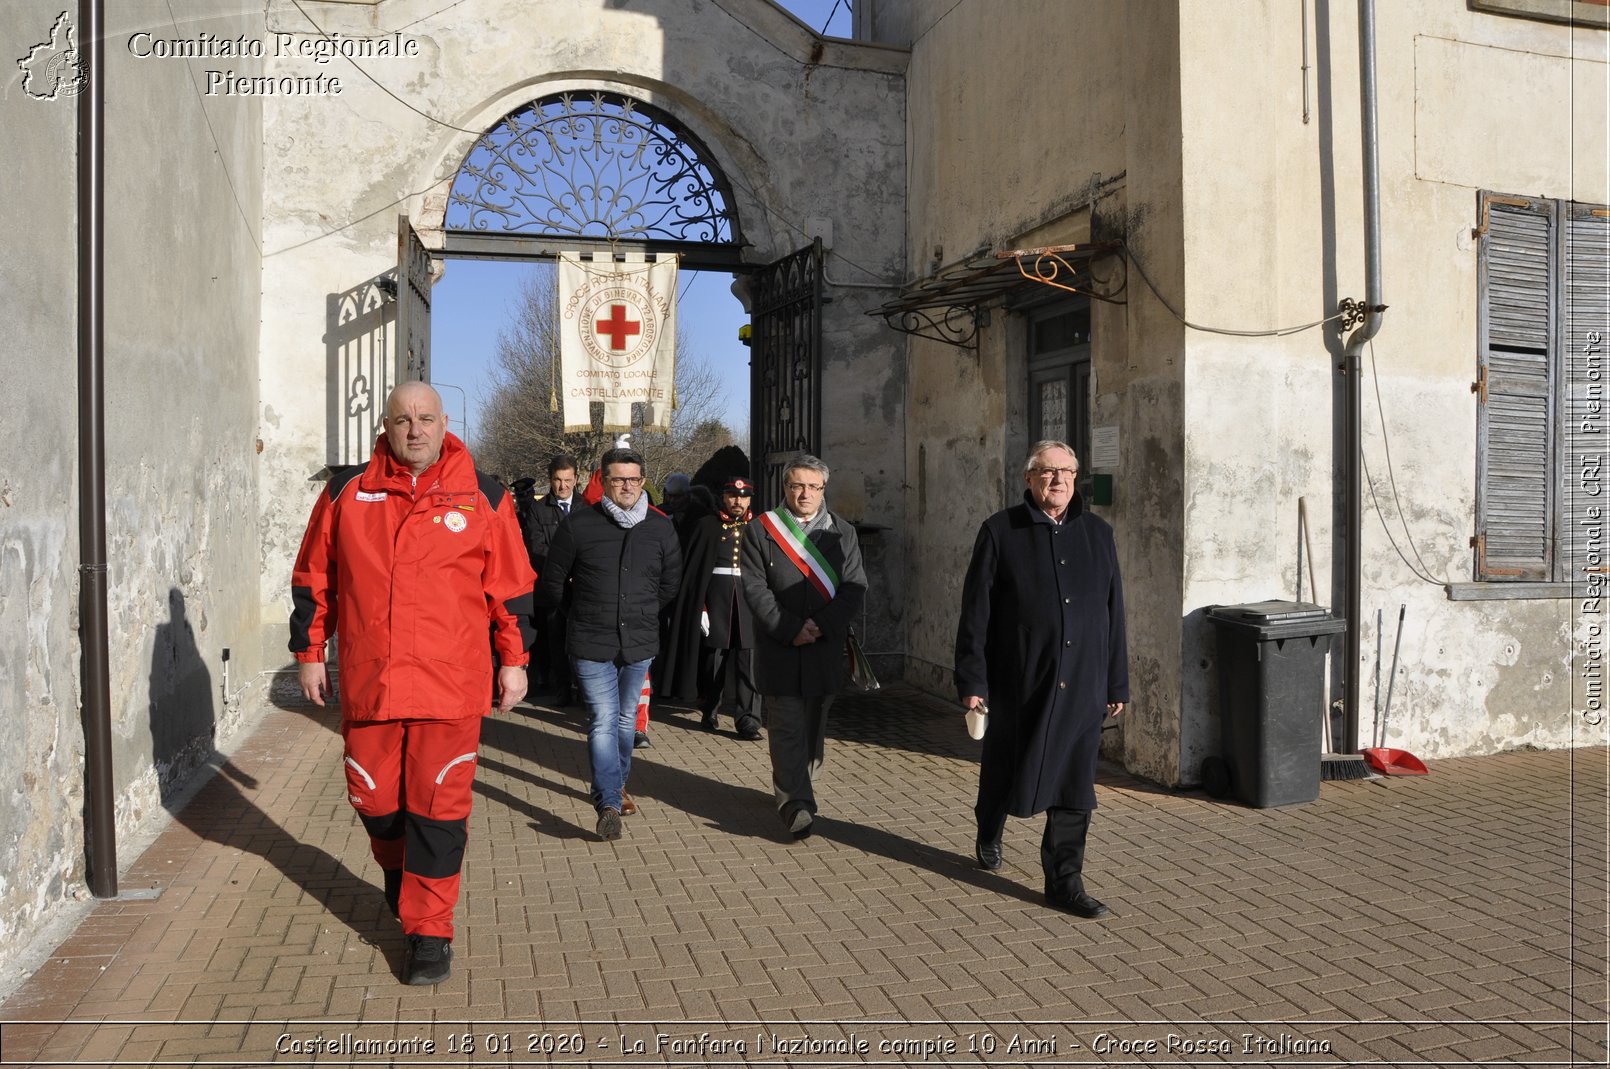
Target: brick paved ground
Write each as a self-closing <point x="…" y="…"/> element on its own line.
<point x="1453" y="919"/>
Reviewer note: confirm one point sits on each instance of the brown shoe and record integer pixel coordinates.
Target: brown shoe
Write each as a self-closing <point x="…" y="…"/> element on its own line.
<point x="628" y="807"/>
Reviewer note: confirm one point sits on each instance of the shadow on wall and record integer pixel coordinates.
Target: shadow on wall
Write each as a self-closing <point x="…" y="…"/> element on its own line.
<point x="183" y="714"/>
<point x="183" y="726"/>
<point x="357" y="329"/>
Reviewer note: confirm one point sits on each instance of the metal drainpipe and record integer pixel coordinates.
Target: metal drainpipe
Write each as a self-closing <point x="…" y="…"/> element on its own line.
<point x="1353" y="368"/>
<point x="100" y="819"/>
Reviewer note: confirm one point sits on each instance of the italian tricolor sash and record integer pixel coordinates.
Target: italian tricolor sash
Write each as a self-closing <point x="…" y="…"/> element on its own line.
<point x="806" y="557"/>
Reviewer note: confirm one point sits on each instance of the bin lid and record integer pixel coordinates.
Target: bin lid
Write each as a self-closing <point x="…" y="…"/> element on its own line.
<point x="1270" y="612"/>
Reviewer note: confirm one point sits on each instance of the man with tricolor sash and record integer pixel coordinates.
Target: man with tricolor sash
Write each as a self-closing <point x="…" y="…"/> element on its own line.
<point x="804" y="582"/>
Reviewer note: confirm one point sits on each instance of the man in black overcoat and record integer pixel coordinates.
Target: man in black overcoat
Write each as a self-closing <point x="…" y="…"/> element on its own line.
<point x="712" y="631"/>
<point x="1041" y="640"/>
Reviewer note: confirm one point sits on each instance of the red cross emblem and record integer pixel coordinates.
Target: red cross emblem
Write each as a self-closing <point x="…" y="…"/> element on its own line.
<point x="617" y="327"/>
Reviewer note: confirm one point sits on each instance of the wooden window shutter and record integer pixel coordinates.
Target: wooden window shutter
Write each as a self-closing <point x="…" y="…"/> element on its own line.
<point x="1585" y="322"/>
<point x="1515" y="416"/>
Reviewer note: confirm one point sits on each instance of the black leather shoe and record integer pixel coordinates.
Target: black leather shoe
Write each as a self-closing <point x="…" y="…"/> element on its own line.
<point x="1080" y="904"/>
<point x="748" y="728"/>
<point x="430" y="960"/>
<point x="988" y="855"/>
<point x="798" y="817"/>
<point x="709" y="721"/>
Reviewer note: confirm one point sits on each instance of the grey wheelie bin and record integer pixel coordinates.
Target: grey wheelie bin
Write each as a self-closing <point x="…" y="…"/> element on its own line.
<point x="1271" y="701"/>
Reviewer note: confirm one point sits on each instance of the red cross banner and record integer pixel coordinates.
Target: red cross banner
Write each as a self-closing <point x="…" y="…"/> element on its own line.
<point x="617" y="339"/>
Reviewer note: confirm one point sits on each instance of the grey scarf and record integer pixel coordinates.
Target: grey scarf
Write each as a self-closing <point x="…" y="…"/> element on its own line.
<point x="628" y="518"/>
<point x="819" y="522"/>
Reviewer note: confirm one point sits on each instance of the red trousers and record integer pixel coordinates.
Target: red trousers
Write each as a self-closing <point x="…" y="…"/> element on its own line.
<point x="410" y="782"/>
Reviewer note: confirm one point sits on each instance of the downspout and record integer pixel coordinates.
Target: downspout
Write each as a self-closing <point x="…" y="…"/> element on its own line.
<point x="99" y="819"/>
<point x="1353" y="368"/>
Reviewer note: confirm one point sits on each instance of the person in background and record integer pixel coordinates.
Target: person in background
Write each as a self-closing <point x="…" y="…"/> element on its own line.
<point x="546" y="515"/>
<point x="407" y="559"/>
<point x="804" y="581"/>
<point x="1041" y="639"/>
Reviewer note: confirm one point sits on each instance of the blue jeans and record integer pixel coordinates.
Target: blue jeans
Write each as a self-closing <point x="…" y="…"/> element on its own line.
<point x="611" y="692"/>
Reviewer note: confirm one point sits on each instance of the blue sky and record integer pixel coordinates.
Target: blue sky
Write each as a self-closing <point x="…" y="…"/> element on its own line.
<point x="472" y="302"/>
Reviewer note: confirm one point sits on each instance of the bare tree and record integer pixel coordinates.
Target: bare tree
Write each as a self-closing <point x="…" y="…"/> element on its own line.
<point x="522" y="420"/>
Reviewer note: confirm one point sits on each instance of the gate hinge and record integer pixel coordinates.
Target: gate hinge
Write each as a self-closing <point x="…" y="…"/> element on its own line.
<point x="1480" y="385"/>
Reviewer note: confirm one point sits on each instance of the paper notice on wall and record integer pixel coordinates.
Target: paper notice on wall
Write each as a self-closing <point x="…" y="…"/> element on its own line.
<point x="617" y="339"/>
<point x="1103" y="449"/>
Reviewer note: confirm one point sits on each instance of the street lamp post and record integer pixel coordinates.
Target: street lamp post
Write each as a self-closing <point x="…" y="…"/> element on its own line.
<point x="464" y="408"/>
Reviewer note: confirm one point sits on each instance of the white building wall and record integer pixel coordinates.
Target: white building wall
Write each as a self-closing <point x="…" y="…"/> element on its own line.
<point x="1246" y="217"/>
<point x="1467" y="101"/>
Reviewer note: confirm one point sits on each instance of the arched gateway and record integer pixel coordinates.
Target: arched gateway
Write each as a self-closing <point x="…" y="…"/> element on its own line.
<point x="598" y="170"/>
<point x="726" y="133"/>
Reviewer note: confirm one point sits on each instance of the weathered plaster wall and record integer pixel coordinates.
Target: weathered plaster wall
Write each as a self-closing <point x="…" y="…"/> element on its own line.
<point x="1274" y="238"/>
<point x="182" y="192"/>
<point x="1031" y="124"/>
<point x="805" y="129"/>
<point x="41" y="839"/>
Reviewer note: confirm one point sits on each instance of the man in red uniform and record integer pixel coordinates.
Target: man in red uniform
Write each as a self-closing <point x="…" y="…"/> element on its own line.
<point x="409" y="561"/>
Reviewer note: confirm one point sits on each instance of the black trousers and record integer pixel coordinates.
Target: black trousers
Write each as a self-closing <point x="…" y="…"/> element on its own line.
<point x="553" y="664"/>
<point x="717" y="664"/>
<point x="1062" y="846"/>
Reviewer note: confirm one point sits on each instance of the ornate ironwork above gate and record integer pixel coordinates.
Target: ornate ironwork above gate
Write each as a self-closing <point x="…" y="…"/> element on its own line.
<point x="592" y="165"/>
<point x="786" y="346"/>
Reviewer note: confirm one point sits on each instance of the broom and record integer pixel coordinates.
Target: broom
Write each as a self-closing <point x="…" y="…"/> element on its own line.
<point x="1332" y="766"/>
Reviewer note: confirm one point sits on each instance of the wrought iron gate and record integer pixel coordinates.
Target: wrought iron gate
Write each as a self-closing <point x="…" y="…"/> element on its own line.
<point x="786" y="362"/>
<point x="413" y="305"/>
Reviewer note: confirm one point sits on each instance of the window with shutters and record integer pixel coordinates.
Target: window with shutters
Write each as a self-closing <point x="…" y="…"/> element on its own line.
<point x="1544" y="291"/>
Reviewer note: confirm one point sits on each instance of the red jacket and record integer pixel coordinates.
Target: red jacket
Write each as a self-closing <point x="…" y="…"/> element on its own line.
<point x="418" y="581"/>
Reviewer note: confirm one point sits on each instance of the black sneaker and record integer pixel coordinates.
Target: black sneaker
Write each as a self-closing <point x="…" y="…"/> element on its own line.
<point x="609" y="823"/>
<point x="393" y="879"/>
<point x="429" y="960"/>
<point x="640" y="741"/>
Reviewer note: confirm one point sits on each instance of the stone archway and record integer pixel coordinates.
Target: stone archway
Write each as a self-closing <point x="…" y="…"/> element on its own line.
<point x="594" y="165"/>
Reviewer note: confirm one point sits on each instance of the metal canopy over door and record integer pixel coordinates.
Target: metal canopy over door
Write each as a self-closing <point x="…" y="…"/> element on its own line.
<point x="786" y="360"/>
<point x="412" y="355"/>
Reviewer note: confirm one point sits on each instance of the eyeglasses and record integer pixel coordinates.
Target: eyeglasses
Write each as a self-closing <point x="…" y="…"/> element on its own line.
<point x="624" y="480"/>
<point x="814" y="488"/>
<point x="1050" y="474"/>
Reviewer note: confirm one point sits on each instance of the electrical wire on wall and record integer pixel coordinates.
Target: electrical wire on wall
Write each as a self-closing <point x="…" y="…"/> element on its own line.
<point x="1418" y="566"/>
<point x="1423" y="571"/>
<point x="1277" y="332"/>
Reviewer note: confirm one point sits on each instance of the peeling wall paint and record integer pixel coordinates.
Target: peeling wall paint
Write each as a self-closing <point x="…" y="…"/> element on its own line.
<point x="182" y="288"/>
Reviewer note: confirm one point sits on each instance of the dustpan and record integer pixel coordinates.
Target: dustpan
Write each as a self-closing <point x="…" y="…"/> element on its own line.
<point x="1392" y="762"/>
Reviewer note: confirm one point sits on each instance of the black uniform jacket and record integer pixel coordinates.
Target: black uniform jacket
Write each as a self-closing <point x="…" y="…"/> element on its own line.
<point x="712" y="543"/>
<point x="1041" y="639"/>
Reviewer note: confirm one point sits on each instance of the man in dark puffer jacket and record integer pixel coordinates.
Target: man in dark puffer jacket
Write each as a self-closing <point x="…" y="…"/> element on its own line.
<point x="621" y="560"/>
